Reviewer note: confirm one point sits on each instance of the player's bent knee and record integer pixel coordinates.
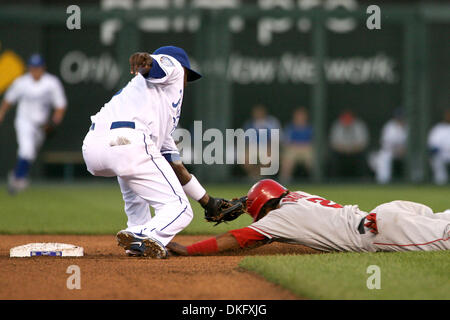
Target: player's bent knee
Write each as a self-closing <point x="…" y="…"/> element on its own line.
<point x="182" y="208"/>
<point x="186" y="213"/>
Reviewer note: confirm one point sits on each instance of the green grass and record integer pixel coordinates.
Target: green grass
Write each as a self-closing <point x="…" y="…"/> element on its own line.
<point x="97" y="208"/>
<point x="405" y="275"/>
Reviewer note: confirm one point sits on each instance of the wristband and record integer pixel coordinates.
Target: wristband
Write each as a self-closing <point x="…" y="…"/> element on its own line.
<point x="194" y="189"/>
<point x="202" y="247"/>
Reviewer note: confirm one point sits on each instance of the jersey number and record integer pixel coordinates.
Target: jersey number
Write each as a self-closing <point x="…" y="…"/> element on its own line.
<point x="325" y="202"/>
<point x="293" y="197"/>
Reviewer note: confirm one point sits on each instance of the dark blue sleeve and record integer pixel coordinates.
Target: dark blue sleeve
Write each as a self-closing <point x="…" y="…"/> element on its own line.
<point x="172" y="157"/>
<point x="156" y="72"/>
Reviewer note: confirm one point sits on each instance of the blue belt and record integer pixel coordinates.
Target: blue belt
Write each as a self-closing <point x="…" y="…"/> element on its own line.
<point x="119" y="124"/>
<point x="123" y="124"/>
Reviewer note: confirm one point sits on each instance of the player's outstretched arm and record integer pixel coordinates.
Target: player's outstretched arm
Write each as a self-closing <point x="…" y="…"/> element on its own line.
<point x="223" y="242"/>
<point x="191" y="186"/>
<point x="232" y="240"/>
<point x="217" y="210"/>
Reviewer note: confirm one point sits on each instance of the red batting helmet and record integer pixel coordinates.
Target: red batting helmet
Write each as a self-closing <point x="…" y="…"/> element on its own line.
<point x="260" y="193"/>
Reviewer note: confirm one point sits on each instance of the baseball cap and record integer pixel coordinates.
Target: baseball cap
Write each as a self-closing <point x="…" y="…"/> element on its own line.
<point x="36" y="60"/>
<point x="182" y="58"/>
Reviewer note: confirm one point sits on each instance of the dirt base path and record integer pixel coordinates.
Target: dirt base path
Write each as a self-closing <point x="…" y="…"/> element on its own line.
<point x="106" y="273"/>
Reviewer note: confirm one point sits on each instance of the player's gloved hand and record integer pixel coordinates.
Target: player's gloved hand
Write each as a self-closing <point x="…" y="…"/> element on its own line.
<point x="219" y="210"/>
<point x="212" y="207"/>
<point x="140" y="62"/>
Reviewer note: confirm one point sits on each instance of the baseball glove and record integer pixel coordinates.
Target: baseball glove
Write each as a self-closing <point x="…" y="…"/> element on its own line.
<point x="219" y="210"/>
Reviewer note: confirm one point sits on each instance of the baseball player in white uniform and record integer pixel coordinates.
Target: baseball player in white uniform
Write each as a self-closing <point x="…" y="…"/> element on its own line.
<point x="130" y="137"/>
<point x="321" y="224"/>
<point x="439" y="145"/>
<point x="36" y="94"/>
<point x="394" y="135"/>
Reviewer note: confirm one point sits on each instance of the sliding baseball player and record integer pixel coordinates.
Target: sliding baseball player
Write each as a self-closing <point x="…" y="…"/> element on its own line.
<point x="313" y="221"/>
<point x="130" y="137"/>
<point x="37" y="94"/>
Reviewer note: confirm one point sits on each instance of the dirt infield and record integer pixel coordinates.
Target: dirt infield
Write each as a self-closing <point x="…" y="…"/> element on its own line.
<point x="106" y="273"/>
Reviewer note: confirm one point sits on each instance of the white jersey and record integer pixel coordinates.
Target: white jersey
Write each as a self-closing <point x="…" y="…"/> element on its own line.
<point x="439" y="138"/>
<point x="36" y="98"/>
<point x="315" y="222"/>
<point x="327" y="226"/>
<point x="153" y="104"/>
<point x="136" y="154"/>
<point x="393" y="136"/>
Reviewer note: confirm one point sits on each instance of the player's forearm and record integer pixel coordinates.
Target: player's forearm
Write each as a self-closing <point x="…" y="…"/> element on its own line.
<point x="190" y="184"/>
<point x="244" y="238"/>
<point x="204" y="200"/>
<point x="221" y="243"/>
<point x="181" y="172"/>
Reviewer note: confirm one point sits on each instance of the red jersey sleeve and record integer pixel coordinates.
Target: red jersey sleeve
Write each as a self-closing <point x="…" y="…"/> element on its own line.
<point x="247" y="236"/>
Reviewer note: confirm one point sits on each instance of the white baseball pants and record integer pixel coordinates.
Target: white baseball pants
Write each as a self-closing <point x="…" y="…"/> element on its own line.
<point x="410" y="226"/>
<point x="145" y="178"/>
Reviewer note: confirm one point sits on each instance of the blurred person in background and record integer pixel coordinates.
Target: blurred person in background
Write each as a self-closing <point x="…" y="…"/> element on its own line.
<point x="349" y="138"/>
<point x="260" y="120"/>
<point x="297" y="140"/>
<point x="36" y="93"/>
<point x="439" y="146"/>
<point x="394" y="138"/>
